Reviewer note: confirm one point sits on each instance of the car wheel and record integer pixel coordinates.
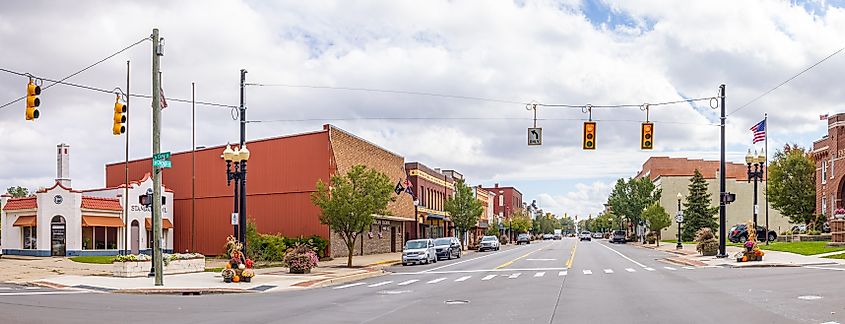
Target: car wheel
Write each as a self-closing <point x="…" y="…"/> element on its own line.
<point x="449" y="255"/>
<point x="772" y="237"/>
<point x="459" y="254"/>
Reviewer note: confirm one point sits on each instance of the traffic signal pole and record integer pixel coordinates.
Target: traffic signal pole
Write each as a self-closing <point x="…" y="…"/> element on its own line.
<point x="722" y="210"/>
<point x="156" y="206"/>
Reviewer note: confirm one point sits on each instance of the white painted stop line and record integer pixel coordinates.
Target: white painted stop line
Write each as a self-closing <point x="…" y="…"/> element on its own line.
<point x="669" y="268"/>
<point x="462" y="278"/>
<point x="630" y="270"/>
<point x="514" y="276"/>
<point x="488" y="277"/>
<point x="381" y="284"/>
<point x="562" y="273"/>
<point x="436" y="280"/>
<point x="649" y="269"/>
<point x="588" y="272"/>
<point x="539" y="274"/>
<point x="608" y="271"/>
<point x="350" y="285"/>
<point x="405" y="283"/>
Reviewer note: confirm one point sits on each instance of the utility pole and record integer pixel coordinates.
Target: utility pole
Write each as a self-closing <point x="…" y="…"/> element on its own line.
<point x="126" y="229"/>
<point x="722" y="211"/>
<point x="156" y="207"/>
<point x="242" y="211"/>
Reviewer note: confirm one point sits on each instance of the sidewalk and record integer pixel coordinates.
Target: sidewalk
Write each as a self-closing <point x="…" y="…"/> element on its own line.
<point x="689" y="256"/>
<point x="97" y="277"/>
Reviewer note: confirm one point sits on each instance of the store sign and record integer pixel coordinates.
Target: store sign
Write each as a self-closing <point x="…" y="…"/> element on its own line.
<point x="141" y="208"/>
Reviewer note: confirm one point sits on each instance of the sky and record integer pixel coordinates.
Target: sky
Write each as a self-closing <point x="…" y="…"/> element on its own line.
<point x="487" y="58"/>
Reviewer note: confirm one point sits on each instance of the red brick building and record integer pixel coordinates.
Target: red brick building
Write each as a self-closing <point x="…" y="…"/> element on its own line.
<point x="830" y="186"/>
<point x="666" y="166"/>
<point x="282" y="174"/>
<point x="431" y="187"/>
<point x="507" y="201"/>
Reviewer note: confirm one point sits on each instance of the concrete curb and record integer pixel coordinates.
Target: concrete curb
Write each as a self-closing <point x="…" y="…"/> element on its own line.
<point x="683" y="261"/>
<point x="181" y="291"/>
<point x="345" y="279"/>
<point x="48" y="284"/>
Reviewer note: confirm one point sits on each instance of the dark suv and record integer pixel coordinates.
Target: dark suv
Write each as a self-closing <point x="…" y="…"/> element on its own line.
<point x="739" y="233"/>
<point x="523" y="238"/>
<point x="618" y="236"/>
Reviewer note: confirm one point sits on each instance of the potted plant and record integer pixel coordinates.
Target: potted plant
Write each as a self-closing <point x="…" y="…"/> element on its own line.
<point x="247" y="274"/>
<point x="228" y="274"/>
<point x="300" y="259"/>
<point x="839" y="213"/>
<point x="706" y="242"/>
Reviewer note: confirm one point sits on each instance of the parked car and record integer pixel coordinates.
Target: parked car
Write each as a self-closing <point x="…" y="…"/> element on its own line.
<point x="618" y="236"/>
<point x="447" y="247"/>
<point x="826" y="227"/>
<point x="597" y="235"/>
<point x="548" y="236"/>
<point x="558" y="236"/>
<point x="585" y="235"/>
<point x="523" y="238"/>
<point x="799" y="228"/>
<point x="739" y="233"/>
<point x="488" y="243"/>
<point x="419" y="251"/>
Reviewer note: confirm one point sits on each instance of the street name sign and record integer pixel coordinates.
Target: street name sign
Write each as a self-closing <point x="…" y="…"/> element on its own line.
<point x="161" y="160"/>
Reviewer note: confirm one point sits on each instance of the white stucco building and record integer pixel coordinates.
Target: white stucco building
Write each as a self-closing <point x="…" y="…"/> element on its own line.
<point x="60" y="221"/>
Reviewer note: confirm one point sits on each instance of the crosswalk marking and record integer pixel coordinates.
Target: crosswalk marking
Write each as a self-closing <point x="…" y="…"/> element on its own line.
<point x="669" y="268"/>
<point x="381" y="284"/>
<point x="649" y="269"/>
<point x="514" y="276"/>
<point x="462" y="278"/>
<point x="588" y="272"/>
<point x="562" y="273"/>
<point x="350" y="285"/>
<point x="630" y="270"/>
<point x="488" y="277"/>
<point x="608" y="271"/>
<point x="539" y="274"/>
<point x="408" y="282"/>
<point x="436" y="280"/>
<point x="689" y="268"/>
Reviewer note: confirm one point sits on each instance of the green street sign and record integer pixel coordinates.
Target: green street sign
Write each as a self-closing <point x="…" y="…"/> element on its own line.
<point x="161" y="164"/>
<point x="161" y="156"/>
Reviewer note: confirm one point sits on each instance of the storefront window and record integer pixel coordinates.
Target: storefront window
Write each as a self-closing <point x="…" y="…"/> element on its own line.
<point x="99" y="238"/>
<point x="87" y="238"/>
<point x="30" y="237"/>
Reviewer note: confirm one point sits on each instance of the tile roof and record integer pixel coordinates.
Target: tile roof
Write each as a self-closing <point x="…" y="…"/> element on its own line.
<point x="101" y="203"/>
<point x="21" y="203"/>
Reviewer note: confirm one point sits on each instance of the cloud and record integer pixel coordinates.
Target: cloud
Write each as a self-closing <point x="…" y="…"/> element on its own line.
<point x="585" y="200"/>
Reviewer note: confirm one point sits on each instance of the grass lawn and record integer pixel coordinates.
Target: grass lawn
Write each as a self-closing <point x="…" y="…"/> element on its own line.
<point x="218" y="269"/>
<point x="803" y="248"/>
<point x="105" y="259"/>
<point x="836" y="256"/>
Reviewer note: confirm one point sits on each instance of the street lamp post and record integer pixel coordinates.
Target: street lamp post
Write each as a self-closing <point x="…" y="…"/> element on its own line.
<point x="236" y="170"/>
<point x="679" y="219"/>
<point x="755" y="173"/>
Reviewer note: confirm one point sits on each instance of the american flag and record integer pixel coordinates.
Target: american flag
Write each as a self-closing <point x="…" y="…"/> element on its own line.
<point x="408" y="188"/>
<point x="759" y="132"/>
<point x="162" y="101"/>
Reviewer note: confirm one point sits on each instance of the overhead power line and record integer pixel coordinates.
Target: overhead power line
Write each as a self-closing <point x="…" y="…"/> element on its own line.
<point x="785" y="82"/>
<point x="80" y="71"/>
<point x="464" y="118"/>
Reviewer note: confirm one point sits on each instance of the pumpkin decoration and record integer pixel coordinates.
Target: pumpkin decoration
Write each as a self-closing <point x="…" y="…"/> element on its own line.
<point x="236" y="278"/>
<point x="744" y="259"/>
<point x="241" y="266"/>
<point x="228" y="266"/>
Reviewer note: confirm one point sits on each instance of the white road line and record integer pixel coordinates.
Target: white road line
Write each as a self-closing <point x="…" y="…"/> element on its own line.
<point x="622" y="255"/>
<point x="462" y="278"/>
<point x="478" y="270"/>
<point x="405" y="283"/>
<point x="540" y="259"/>
<point x="649" y="269"/>
<point x="689" y="268"/>
<point x="630" y="270"/>
<point x="350" y="285"/>
<point x="713" y="266"/>
<point x="58" y="292"/>
<point x="588" y="272"/>
<point x="436" y="280"/>
<point x="488" y="277"/>
<point x="31" y="288"/>
<point x="823" y="268"/>
<point x="561" y="274"/>
<point x="539" y="274"/>
<point x="608" y="271"/>
<point x="6" y="288"/>
<point x="514" y="276"/>
<point x="381" y="284"/>
<point x="468" y="260"/>
<point x="670" y="268"/>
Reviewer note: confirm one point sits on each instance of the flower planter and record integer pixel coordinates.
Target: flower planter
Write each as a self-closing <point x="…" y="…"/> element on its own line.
<point x="227" y="280"/>
<point x="246" y="279"/>
<point x="132" y="269"/>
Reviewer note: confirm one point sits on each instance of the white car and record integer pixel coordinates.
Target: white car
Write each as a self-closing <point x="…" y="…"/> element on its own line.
<point x="488" y="243"/>
<point x="585" y="235"/>
<point x="419" y="251"/>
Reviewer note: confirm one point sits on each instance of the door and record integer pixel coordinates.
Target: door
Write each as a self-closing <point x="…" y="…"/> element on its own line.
<point x="57" y="236"/>
<point x="135" y="237"/>
<point x="393" y="239"/>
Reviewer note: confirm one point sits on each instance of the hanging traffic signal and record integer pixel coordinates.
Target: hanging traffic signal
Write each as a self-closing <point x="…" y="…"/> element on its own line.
<point x="32" y="100"/>
<point x="119" y="118"/>
<point x="647" y="136"/>
<point x="590" y="135"/>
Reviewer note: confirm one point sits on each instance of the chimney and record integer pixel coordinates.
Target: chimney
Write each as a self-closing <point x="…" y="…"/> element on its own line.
<point x="63" y="165"/>
<point x="497" y="185"/>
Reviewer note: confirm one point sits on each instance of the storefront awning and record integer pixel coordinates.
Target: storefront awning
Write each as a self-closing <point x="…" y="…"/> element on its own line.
<point x="165" y="223"/>
<point x="104" y="221"/>
<point x="25" y="221"/>
<point x="435" y="216"/>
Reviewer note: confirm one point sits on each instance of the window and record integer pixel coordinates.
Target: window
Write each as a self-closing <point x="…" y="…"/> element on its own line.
<point x="87" y="238"/>
<point x="824" y="171"/>
<point x="30" y="237"/>
<point x="824" y="205"/>
<point x="99" y="238"/>
<point x="831" y="169"/>
<point x="501" y="200"/>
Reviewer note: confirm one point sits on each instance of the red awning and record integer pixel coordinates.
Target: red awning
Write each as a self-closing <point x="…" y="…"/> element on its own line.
<point x="165" y="223"/>
<point x="25" y="221"/>
<point x="104" y="221"/>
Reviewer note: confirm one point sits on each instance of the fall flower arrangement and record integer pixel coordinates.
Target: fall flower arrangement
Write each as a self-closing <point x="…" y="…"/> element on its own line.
<point x="300" y="259"/>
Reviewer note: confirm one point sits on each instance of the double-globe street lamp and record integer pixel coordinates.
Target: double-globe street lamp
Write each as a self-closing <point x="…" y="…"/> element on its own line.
<point x="755" y="172"/>
<point x="236" y="170"/>
<point x="679" y="218"/>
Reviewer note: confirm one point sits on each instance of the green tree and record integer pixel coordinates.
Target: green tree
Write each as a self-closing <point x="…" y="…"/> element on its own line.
<point x="629" y="198"/>
<point x="493" y="228"/>
<point x="657" y="219"/>
<point x="519" y="222"/>
<point x="18" y="192"/>
<point x="567" y="224"/>
<point x="349" y="204"/>
<point x="698" y="213"/>
<point x="464" y="209"/>
<point x="792" y="185"/>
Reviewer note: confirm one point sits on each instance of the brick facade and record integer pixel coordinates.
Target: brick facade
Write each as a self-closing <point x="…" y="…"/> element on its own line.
<point x="377" y="240"/>
<point x="827" y="154"/>
<point x="432" y="187"/>
<point x="666" y="166"/>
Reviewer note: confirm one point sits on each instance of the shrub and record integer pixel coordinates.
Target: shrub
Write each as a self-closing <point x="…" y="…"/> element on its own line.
<point x="706" y="242"/>
<point x="650" y="238"/>
<point x="503" y="240"/>
<point x="300" y="257"/>
<point x="813" y="232"/>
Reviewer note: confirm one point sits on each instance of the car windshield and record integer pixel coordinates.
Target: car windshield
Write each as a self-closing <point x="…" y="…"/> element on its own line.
<point x="488" y="238"/>
<point x="416" y="244"/>
<point x="443" y="241"/>
<point x="586" y="233"/>
<point x="619" y="233"/>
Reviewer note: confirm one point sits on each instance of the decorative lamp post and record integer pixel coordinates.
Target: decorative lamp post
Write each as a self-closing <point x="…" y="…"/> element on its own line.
<point x="236" y="170"/>
<point x="755" y="173"/>
<point x="679" y="218"/>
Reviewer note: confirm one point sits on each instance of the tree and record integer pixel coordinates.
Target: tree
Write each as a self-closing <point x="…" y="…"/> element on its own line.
<point x="464" y="209"/>
<point x="519" y="222"/>
<point x="493" y="228"/>
<point x="792" y="185"/>
<point x="567" y="224"/>
<point x="349" y="204"/>
<point x="18" y="192"/>
<point x="697" y="211"/>
<point x="629" y="198"/>
<point x="657" y="219"/>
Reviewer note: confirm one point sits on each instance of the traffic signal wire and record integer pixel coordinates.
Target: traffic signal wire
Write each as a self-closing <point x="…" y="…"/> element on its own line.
<point x="80" y="71"/>
<point x="92" y="88"/>
<point x="465" y="118"/>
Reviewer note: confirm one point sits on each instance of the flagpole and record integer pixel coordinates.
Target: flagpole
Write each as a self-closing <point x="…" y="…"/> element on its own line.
<point x="766" y="173"/>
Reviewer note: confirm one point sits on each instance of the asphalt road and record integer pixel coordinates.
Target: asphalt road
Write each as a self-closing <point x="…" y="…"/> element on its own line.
<point x="545" y="282"/>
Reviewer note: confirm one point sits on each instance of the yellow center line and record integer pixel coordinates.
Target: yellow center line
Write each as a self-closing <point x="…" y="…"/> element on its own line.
<point x="571" y="256"/>
<point x="512" y="261"/>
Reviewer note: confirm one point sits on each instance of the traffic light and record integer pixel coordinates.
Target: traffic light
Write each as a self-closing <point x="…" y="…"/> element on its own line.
<point x="647" y="136"/>
<point x="590" y="135"/>
<point x="119" y="117"/>
<point x="32" y="101"/>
